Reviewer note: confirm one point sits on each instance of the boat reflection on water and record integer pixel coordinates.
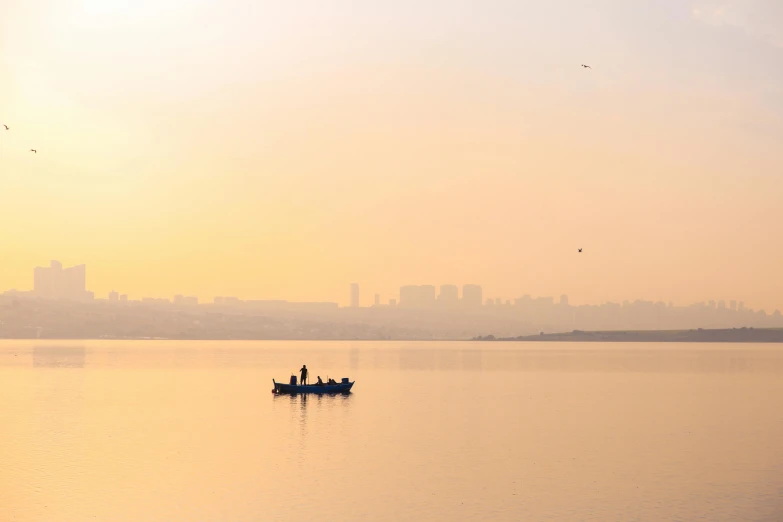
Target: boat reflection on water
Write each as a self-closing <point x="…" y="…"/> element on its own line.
<point x="59" y="356"/>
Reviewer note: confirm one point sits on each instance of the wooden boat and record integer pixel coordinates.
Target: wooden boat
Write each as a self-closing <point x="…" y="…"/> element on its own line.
<point x="340" y="387"/>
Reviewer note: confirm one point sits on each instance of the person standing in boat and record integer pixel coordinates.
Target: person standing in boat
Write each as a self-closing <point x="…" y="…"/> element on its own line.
<point x="303" y="371"/>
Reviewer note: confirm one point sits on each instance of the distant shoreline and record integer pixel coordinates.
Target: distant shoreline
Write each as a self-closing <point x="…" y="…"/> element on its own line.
<point x="728" y="335"/>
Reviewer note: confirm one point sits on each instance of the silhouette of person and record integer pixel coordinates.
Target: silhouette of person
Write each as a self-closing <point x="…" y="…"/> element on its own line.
<point x="303" y="371"/>
<point x="320" y="382"/>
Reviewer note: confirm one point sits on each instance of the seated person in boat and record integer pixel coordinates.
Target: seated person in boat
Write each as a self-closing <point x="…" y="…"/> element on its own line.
<point x="331" y="381"/>
<point x="320" y="382"/>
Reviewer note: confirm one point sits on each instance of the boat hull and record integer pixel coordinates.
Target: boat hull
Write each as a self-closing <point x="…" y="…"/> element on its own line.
<point x="312" y="388"/>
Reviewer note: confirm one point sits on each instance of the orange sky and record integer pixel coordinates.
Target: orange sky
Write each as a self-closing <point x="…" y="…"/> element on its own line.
<point x="284" y="151"/>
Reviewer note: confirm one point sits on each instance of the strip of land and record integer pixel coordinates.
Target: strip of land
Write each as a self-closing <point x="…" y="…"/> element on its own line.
<point x="732" y="335"/>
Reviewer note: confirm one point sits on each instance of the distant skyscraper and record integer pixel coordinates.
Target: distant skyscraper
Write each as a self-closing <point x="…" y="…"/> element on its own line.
<point x="448" y="296"/>
<point x="427" y="296"/>
<point x="563" y="300"/>
<point x="54" y="282"/>
<point x="44" y="279"/>
<point x="124" y="298"/>
<point x="472" y="295"/>
<point x="498" y="301"/>
<point x="413" y="296"/>
<point x="733" y="304"/>
<point x="377" y="299"/>
<point x="354" y="295"/>
<point x="114" y="296"/>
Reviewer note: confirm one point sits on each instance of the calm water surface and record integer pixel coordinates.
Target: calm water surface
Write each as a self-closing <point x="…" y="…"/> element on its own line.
<point x="190" y="431"/>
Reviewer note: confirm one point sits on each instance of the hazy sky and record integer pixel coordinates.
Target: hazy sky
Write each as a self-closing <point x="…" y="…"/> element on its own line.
<point x="286" y="149"/>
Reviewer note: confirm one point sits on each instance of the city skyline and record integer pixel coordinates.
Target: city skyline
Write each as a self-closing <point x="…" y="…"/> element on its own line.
<point x="56" y="282"/>
<point x="418" y="316"/>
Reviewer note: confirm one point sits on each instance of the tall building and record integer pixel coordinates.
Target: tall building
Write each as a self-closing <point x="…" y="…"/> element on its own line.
<point x="44" y="279"/>
<point x="427" y="296"/>
<point x="413" y="296"/>
<point x="733" y="305"/>
<point x="354" y="295"/>
<point x="448" y="296"/>
<point x="56" y="282"/>
<point x="563" y="300"/>
<point x="114" y="296"/>
<point x="472" y="295"/>
<point x="377" y="299"/>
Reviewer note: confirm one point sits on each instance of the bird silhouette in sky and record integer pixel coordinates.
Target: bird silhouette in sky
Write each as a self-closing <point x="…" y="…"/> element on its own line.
<point x="586" y="66"/>
<point x="580" y="249"/>
<point x="6" y="127"/>
<point x="33" y="150"/>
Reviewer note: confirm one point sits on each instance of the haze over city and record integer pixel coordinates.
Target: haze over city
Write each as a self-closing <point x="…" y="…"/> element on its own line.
<point x="60" y="306"/>
<point x="383" y="260"/>
<point x="281" y="151"/>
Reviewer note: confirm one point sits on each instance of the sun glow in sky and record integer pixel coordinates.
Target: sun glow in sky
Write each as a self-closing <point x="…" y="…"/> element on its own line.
<point x="285" y="149"/>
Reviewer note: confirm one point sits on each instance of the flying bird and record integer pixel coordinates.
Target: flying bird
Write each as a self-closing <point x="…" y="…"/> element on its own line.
<point x="586" y="66"/>
<point x="6" y="127"/>
<point x="33" y="150"/>
<point x="580" y="249"/>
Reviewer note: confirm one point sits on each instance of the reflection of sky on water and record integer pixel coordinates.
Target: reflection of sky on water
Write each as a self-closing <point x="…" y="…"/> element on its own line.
<point x="198" y="422"/>
<point x="354" y="359"/>
<point x="59" y="356"/>
<point x="442" y="360"/>
<point x="350" y="359"/>
<point x="633" y="359"/>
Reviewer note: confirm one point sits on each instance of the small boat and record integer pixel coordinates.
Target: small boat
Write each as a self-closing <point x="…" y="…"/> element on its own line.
<point x="340" y="387"/>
